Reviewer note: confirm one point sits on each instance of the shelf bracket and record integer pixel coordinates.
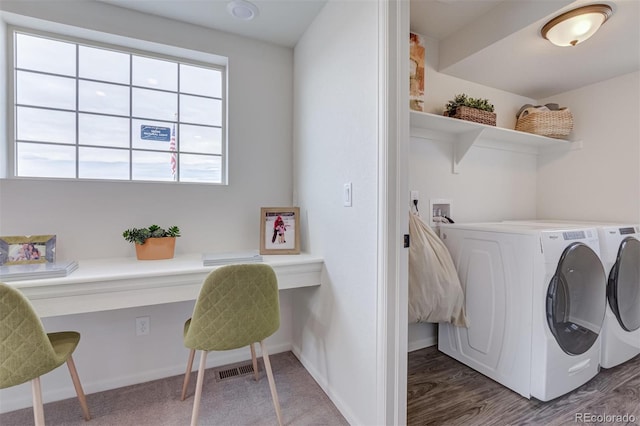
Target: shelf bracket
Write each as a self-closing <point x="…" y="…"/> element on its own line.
<point x="461" y="146"/>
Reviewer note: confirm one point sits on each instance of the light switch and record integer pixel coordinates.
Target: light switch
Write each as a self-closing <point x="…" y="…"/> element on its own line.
<point x="347" y="194"/>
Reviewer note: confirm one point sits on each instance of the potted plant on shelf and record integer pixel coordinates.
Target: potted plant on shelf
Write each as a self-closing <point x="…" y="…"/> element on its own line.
<point x="471" y="109"/>
<point x="154" y="242"/>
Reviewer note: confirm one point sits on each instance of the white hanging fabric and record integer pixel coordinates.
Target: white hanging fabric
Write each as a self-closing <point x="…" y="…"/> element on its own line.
<point x="435" y="292"/>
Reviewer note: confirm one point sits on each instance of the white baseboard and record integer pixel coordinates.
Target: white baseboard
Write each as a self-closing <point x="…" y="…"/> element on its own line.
<point x="422" y="343"/>
<point x="322" y="382"/>
<point x="65" y="392"/>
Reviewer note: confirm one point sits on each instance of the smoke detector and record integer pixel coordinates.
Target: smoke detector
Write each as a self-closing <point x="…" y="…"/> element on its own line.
<point x="243" y="10"/>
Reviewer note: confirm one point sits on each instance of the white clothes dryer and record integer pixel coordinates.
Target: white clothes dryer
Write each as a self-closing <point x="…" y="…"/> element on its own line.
<point x="535" y="299"/>
<point x="620" y="253"/>
<point x="620" y="247"/>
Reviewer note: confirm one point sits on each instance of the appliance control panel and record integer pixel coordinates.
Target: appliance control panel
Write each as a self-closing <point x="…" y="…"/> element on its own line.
<point x="573" y="235"/>
<point x="629" y="230"/>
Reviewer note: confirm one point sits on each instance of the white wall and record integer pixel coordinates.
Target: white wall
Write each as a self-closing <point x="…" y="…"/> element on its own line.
<point x="600" y="182"/>
<point x="336" y="141"/>
<point x="89" y="217"/>
<point x="440" y="88"/>
<point x="492" y="185"/>
<point x="210" y="217"/>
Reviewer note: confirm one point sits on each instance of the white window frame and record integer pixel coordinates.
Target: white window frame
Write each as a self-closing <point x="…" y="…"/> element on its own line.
<point x="125" y="45"/>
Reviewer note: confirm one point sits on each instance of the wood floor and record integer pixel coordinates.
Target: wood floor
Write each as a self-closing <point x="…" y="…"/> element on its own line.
<point x="443" y="391"/>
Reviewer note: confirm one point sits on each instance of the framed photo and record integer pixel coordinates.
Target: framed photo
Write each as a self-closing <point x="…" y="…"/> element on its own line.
<point x="21" y="250"/>
<point x="280" y="230"/>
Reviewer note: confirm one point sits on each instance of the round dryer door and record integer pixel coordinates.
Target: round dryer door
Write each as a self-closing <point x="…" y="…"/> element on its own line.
<point x="623" y="290"/>
<point x="576" y="299"/>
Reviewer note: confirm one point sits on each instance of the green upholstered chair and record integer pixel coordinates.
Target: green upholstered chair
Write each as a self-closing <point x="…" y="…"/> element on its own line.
<point x="27" y="351"/>
<point x="238" y="305"/>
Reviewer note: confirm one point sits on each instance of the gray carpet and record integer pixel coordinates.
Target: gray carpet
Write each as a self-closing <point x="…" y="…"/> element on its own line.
<point x="235" y="401"/>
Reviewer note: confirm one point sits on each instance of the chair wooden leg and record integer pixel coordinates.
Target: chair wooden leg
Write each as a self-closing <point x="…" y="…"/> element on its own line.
<point x="38" y="409"/>
<point x="198" y="395"/>
<point x="255" y="361"/>
<point x="272" y="383"/>
<point x="187" y="375"/>
<point x="76" y="384"/>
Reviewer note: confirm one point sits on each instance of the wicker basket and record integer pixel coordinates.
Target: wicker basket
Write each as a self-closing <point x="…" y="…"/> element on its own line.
<point x="475" y="115"/>
<point x="553" y="124"/>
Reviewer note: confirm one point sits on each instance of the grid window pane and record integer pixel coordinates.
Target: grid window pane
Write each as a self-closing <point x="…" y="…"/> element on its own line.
<point x="154" y="104"/>
<point x="43" y="125"/>
<point x="103" y="98"/>
<point x="152" y="166"/>
<point x="200" y="81"/>
<point x="43" y="160"/>
<point x="103" y="64"/>
<point x="200" y="139"/>
<point x="100" y="163"/>
<point x="45" y="90"/>
<point x="42" y="54"/>
<point x="155" y="73"/>
<point x="197" y="110"/>
<point x="84" y="111"/>
<point x="200" y="168"/>
<point x="103" y="130"/>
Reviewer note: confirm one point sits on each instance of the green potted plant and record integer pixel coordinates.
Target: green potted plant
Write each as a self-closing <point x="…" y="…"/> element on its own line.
<point x="471" y="109"/>
<point x="154" y="242"/>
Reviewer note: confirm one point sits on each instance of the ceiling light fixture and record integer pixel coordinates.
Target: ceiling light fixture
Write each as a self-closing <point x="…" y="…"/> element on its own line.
<point x="241" y="9"/>
<point x="577" y="25"/>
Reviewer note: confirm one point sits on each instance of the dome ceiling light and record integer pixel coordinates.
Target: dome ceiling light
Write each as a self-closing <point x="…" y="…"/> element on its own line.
<point x="243" y="10"/>
<point x="577" y="25"/>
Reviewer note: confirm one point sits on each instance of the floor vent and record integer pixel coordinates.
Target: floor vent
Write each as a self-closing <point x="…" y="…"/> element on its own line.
<point x="227" y="372"/>
<point x="245" y="369"/>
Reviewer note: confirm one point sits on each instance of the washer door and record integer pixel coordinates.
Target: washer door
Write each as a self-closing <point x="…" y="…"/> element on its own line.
<point x="623" y="290"/>
<point x="576" y="299"/>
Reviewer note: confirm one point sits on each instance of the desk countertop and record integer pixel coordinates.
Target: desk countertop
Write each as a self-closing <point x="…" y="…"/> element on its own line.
<point x="106" y="284"/>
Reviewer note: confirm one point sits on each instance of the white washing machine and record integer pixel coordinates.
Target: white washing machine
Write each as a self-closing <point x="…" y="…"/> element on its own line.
<point x="620" y="254"/>
<point x="535" y="299"/>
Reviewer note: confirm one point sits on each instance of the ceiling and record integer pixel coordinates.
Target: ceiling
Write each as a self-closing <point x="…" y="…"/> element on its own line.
<point x="495" y="43"/>
<point x="280" y="22"/>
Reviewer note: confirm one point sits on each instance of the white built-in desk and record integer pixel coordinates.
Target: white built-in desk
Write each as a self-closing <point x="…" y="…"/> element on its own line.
<point x="106" y="284"/>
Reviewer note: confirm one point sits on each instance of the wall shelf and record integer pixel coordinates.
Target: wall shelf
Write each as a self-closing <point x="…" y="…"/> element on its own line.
<point x="464" y="134"/>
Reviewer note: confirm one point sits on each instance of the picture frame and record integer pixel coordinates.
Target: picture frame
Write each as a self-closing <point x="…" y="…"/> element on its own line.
<point x="27" y="249"/>
<point x="280" y="230"/>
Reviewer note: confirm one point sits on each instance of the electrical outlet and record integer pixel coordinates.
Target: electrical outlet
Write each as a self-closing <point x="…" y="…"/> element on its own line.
<point x="142" y="326"/>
